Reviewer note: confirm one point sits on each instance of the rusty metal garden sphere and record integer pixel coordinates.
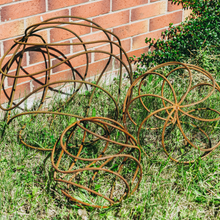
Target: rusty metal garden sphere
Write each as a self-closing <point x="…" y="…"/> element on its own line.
<point x="175" y="109"/>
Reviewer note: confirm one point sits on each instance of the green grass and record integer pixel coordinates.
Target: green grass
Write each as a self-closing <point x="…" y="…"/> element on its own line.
<point x="167" y="191"/>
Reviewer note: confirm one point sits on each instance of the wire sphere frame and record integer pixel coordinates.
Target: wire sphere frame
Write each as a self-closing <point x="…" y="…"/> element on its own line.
<point x="175" y="107"/>
<point x="102" y="157"/>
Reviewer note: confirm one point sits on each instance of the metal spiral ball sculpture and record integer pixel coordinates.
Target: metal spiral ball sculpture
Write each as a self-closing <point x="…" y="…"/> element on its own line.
<point x="175" y="107"/>
<point x="102" y="162"/>
<point x="96" y="157"/>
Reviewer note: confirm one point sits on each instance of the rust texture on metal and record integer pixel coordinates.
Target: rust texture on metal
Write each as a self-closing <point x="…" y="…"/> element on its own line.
<point x="175" y="109"/>
<point x="127" y="148"/>
<point x="103" y="159"/>
<point x="104" y="132"/>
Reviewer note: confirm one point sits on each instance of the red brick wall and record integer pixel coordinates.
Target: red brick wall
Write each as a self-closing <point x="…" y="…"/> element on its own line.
<point x="131" y="20"/>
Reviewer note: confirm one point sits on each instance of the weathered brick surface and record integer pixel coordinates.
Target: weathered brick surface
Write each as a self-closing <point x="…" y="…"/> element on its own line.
<point x="98" y="36"/>
<point x="165" y="20"/>
<point x="92" y="9"/>
<point x="66" y="75"/>
<point x="130" y="30"/>
<point x="40" y="54"/>
<point x="11" y="29"/>
<point x="39" y="18"/>
<point x="126" y="44"/>
<point x="132" y="21"/>
<point x="57" y="34"/>
<point x="22" y="9"/>
<point x="139" y="41"/>
<point x="173" y="7"/>
<point x="7" y="44"/>
<point x="118" y="4"/>
<point x="7" y="1"/>
<point x="114" y="19"/>
<point x="61" y="3"/>
<point x="187" y="13"/>
<point x="137" y="52"/>
<point x="37" y="40"/>
<point x="148" y="11"/>
<point x="21" y="91"/>
<point x="14" y="63"/>
<point x="27" y="70"/>
<point x="94" y="69"/>
<point x="37" y="83"/>
<point x="74" y="62"/>
<point x="117" y="62"/>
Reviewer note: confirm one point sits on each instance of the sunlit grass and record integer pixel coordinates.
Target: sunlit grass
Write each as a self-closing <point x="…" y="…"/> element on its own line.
<point x="167" y="190"/>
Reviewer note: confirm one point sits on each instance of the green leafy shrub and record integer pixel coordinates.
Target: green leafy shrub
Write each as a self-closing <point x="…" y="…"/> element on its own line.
<point x="201" y="30"/>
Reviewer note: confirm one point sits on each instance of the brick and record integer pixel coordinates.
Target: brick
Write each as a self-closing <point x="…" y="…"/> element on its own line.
<point x="165" y="20"/>
<point x="139" y="41"/>
<point x="66" y="75"/>
<point x="25" y="71"/>
<point x="173" y="7"/>
<point x="36" y="83"/>
<point x="11" y="29"/>
<point x="74" y="62"/>
<point x="39" y="18"/>
<point x="14" y="63"/>
<point x="7" y="44"/>
<point x="21" y="91"/>
<point x="92" y="37"/>
<point x="19" y="80"/>
<point x="94" y="69"/>
<point x="117" y="63"/>
<point x="138" y="52"/>
<point x="36" y="55"/>
<point x="119" y="4"/>
<point x="22" y="9"/>
<point x="112" y="20"/>
<point x="154" y="0"/>
<point x="148" y="11"/>
<point x="92" y="9"/>
<point x="35" y="39"/>
<point x="57" y="34"/>
<point x="126" y="45"/>
<point x="132" y="29"/>
<point x="7" y="1"/>
<point x="61" y="3"/>
<point x="187" y="13"/>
